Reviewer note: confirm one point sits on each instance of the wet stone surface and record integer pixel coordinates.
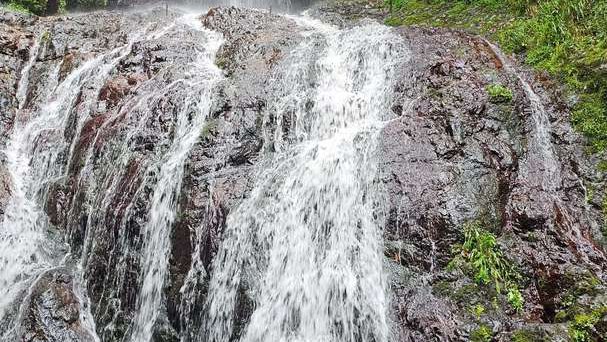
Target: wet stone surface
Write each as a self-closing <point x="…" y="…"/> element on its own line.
<point x="449" y="155"/>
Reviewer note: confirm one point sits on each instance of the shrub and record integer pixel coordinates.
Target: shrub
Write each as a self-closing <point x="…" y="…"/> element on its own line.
<point x="28" y="6"/>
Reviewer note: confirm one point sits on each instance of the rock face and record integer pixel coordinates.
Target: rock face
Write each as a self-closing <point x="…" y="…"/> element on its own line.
<point x="455" y="156"/>
<point x="53" y="310"/>
<point x="451" y="155"/>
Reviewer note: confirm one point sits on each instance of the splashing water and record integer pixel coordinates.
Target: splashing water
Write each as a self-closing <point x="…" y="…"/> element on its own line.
<point x="190" y="118"/>
<point x="306" y="244"/>
<point x="39" y="153"/>
<point x="33" y="159"/>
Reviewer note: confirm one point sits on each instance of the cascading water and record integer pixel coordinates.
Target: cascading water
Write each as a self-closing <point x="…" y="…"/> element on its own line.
<point x="190" y="118"/>
<point x="33" y="159"/>
<point x="306" y="244"/>
<point x="541" y="150"/>
<point x="39" y="154"/>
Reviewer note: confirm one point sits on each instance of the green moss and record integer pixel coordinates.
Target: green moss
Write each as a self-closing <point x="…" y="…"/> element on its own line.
<point x="584" y="285"/>
<point x="499" y="93"/>
<point x="522" y="336"/>
<point x="221" y="62"/>
<point x="477" y="310"/>
<point x="484" y="16"/>
<point x="589" y="193"/>
<point x="481" y="334"/>
<point x="393" y="21"/>
<point x="442" y="288"/>
<point x="525" y="335"/>
<point x="583" y="325"/>
<point x="46" y="37"/>
<point x="465" y="293"/>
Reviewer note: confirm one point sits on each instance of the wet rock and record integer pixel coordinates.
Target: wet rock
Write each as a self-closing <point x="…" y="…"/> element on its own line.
<point x="114" y="90"/>
<point x="5" y="186"/>
<point x="448" y="156"/>
<point x="53" y="310"/>
<point x="219" y="170"/>
<point x="454" y="157"/>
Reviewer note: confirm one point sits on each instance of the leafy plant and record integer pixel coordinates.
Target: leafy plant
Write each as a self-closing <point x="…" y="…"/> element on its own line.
<point x="481" y="255"/>
<point x="481" y="334"/>
<point x="477" y="310"/>
<point x="499" y="93"/>
<point x="515" y="299"/>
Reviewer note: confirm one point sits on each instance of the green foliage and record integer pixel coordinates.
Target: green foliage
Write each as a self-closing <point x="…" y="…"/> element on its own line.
<point x="499" y="93"/>
<point x="522" y="336"/>
<point x="37" y="7"/>
<point x="582" y="326"/>
<point x="393" y="21"/>
<point x="567" y="38"/>
<point x="515" y="299"/>
<point x="17" y="7"/>
<point x="87" y="4"/>
<point x="479" y="16"/>
<point x="481" y="334"/>
<point x="481" y="255"/>
<point x="480" y="251"/>
<point x="584" y="285"/>
<point x="477" y="310"/>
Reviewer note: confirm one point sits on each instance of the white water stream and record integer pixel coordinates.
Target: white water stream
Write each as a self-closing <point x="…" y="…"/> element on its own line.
<point x="36" y="156"/>
<point x="306" y="245"/>
<point x="540" y="147"/>
<point x="27" y="244"/>
<point x="157" y="239"/>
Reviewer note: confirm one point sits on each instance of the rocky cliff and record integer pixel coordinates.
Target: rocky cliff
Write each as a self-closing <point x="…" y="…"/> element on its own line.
<point x="451" y="154"/>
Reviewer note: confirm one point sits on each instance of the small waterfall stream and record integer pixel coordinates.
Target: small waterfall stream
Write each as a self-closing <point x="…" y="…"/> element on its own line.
<point x="27" y="246"/>
<point x="540" y="147"/>
<point x="192" y="114"/>
<point x="306" y="244"/>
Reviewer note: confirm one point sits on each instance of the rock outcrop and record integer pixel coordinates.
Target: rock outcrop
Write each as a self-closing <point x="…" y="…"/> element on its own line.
<point x="454" y="156"/>
<point x="53" y="310"/>
<point x="450" y="155"/>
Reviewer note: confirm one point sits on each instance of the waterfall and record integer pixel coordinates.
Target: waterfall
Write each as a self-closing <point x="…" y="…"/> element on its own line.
<point x="42" y="151"/>
<point x="28" y="246"/>
<point x="306" y="245"/>
<point x="157" y="239"/>
<point x="540" y="147"/>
